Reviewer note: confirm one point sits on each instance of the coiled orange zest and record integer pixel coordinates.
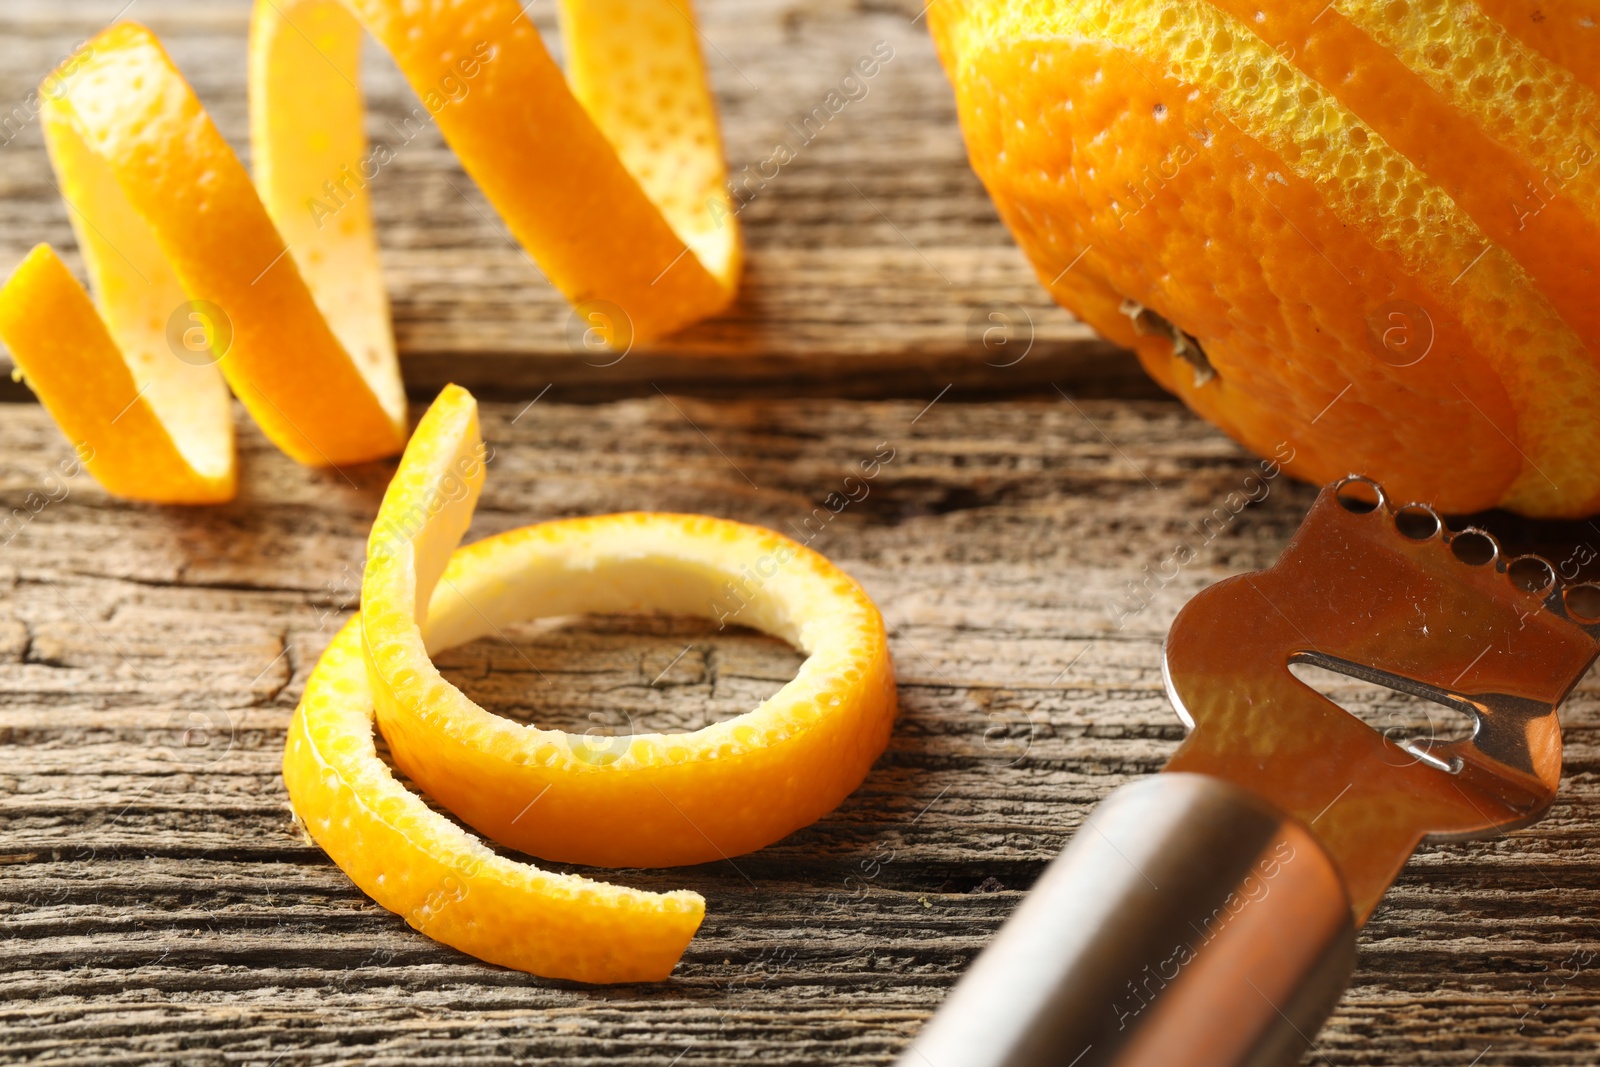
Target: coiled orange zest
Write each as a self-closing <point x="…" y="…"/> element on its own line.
<point x="446" y="883"/>
<point x="644" y="799"/>
<point x="622" y="204"/>
<point x="640" y="799"/>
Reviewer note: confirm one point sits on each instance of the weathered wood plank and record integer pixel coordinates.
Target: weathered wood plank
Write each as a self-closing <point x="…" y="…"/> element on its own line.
<point x="159" y="907"/>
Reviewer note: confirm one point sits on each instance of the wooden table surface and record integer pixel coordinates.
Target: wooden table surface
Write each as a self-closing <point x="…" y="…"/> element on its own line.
<point x="158" y="904"/>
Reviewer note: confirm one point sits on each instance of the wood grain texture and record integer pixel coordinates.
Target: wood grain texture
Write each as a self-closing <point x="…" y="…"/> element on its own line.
<point x="159" y="907"/>
<point x="875" y="259"/>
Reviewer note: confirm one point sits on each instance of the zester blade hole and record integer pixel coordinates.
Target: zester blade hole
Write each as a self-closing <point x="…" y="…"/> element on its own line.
<point x="1531" y="574"/>
<point x="1416" y="521"/>
<point x="1401" y="717"/>
<point x="1583" y="602"/>
<point x="1358" y="496"/>
<point x="1473" y="548"/>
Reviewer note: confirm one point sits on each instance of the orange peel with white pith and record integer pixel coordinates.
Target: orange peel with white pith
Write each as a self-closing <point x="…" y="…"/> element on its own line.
<point x="166" y="215"/>
<point x="446" y="883"/>
<point x="643" y="799"/>
<point x="635" y="800"/>
<point x="1357" y="236"/>
<point x="277" y="284"/>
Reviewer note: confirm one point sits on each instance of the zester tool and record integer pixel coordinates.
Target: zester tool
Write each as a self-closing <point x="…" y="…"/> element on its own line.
<point x="1206" y="916"/>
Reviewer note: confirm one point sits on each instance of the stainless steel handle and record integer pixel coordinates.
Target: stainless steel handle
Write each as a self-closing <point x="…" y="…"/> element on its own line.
<point x="1189" y="923"/>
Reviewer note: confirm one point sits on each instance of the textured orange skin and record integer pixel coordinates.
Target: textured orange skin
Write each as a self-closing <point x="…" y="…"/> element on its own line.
<point x="1567" y="32"/>
<point x="180" y="175"/>
<point x="1562" y="251"/>
<point x="646" y="799"/>
<point x="1240" y="251"/>
<point x="619" y="204"/>
<point x="74" y="368"/>
<point x="446" y="884"/>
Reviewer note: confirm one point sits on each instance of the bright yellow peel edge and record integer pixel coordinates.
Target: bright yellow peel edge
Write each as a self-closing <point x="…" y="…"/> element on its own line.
<point x="642" y="799"/>
<point x="444" y="882"/>
<point x="634" y="225"/>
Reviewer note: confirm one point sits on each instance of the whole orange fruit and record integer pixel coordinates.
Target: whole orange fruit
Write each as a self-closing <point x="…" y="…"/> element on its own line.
<point x="1361" y="234"/>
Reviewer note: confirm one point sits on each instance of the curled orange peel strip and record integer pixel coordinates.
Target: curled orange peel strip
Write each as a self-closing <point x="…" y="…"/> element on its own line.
<point x="611" y="177"/>
<point x="613" y="183"/>
<point x="635" y="800"/>
<point x="446" y="883"/>
<point x="168" y="438"/>
<point x="641" y="799"/>
<point x="165" y="214"/>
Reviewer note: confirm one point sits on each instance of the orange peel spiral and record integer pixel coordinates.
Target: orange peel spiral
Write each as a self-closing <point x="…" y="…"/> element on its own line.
<point x="642" y="799"/>
<point x="444" y="882"/>
<point x="277" y="284"/>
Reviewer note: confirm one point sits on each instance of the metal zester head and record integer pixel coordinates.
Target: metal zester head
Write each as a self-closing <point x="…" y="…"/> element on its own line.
<point x="1390" y="596"/>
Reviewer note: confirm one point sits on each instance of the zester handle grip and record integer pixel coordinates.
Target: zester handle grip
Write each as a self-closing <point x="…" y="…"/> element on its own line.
<point x="1189" y="923"/>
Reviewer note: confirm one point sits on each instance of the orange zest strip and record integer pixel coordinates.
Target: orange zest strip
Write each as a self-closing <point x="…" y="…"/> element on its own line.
<point x="615" y="185"/>
<point x="168" y="437"/>
<point x="189" y="268"/>
<point x="446" y="883"/>
<point x="643" y="799"/>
